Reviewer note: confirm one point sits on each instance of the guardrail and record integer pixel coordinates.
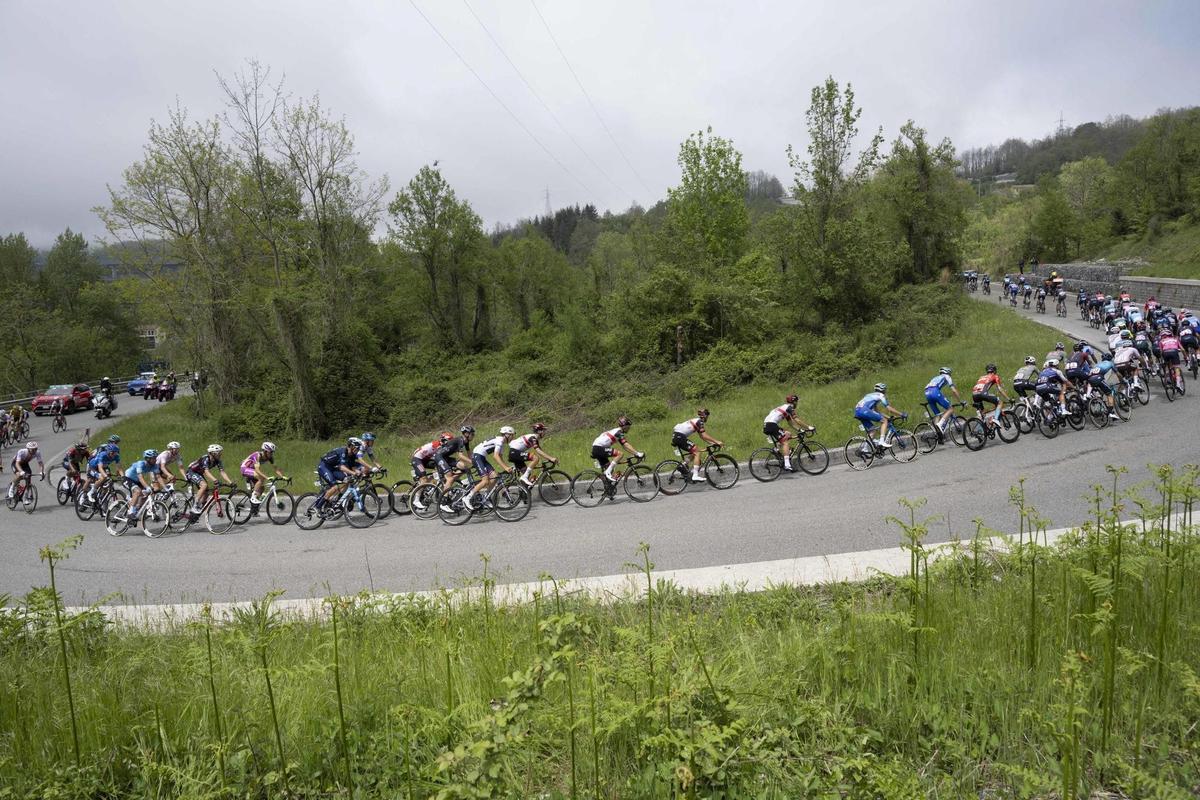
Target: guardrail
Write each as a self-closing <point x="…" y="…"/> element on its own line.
<point x="119" y="385"/>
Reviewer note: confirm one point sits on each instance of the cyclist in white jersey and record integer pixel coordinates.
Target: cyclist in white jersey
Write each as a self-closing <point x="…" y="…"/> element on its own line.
<point x="772" y="427"/>
<point x="524" y="453"/>
<point x="681" y="442"/>
<point x="165" y="459"/>
<point x="604" y="447"/>
<point x="493" y="448"/>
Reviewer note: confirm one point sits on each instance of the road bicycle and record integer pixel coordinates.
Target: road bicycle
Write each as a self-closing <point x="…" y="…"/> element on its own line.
<point x="766" y="463"/>
<point x="217" y="511"/>
<point x="1133" y="389"/>
<point x="929" y="434"/>
<point x="591" y="487"/>
<point x="861" y="452"/>
<point x="1173" y="382"/>
<point x="103" y="495"/>
<point x="356" y="501"/>
<point x="979" y="429"/>
<point x="1060" y="306"/>
<point x="553" y="486"/>
<point x="59" y="423"/>
<point x="1192" y="364"/>
<point x="153" y="517"/>
<point x="278" y="503"/>
<point x="65" y="487"/>
<point x="507" y="497"/>
<point x="24" y="494"/>
<point x="1041" y="303"/>
<point x="720" y="471"/>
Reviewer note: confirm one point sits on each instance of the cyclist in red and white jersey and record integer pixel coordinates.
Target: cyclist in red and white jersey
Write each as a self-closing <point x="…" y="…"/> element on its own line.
<point x="681" y="442"/>
<point x="604" y="448"/>
<point x="983" y="392"/>
<point x="524" y="452"/>
<point x="20" y="465"/>
<point x="772" y="427"/>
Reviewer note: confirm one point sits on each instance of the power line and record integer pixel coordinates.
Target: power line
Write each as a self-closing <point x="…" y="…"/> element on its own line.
<point x="496" y="97"/>
<point x="595" y="111"/>
<point x="549" y="111"/>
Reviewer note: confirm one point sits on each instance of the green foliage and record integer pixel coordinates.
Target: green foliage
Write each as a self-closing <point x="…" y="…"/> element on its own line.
<point x="707" y="221"/>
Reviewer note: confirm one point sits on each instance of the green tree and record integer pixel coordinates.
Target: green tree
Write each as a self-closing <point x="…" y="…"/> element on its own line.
<point x="707" y="221"/>
<point x="69" y="268"/>
<point x="1055" y="226"/>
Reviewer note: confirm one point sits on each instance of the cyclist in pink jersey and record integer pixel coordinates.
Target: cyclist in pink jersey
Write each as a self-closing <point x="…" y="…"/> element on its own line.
<point x="252" y="470"/>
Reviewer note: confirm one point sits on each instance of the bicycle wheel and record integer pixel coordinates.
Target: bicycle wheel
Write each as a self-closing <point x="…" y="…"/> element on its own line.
<point x="424" y="501"/>
<point x="554" y="487"/>
<point x="64" y="490"/>
<point x="957" y="430"/>
<point x="383" y="493"/>
<point x="1025" y="418"/>
<point x="451" y="508"/>
<point x="927" y="438"/>
<point x="859" y="452"/>
<point x="904" y="446"/>
<point x="399" y="497"/>
<point x="307" y="516"/>
<point x="1141" y="393"/>
<point x="1169" y="390"/>
<point x="640" y="483"/>
<point x="240" y="506"/>
<point x="1076" y="411"/>
<point x="156" y="519"/>
<point x="976" y="435"/>
<point x="363" y="510"/>
<point x="218" y="516"/>
<point x="280" y="506"/>
<point x="83" y="509"/>
<point x="589" y="488"/>
<point x="1047" y="423"/>
<point x="721" y="471"/>
<point x="116" y="518"/>
<point x="766" y="464"/>
<point x="812" y="457"/>
<point x="511" y="502"/>
<point x="1097" y="412"/>
<point x="673" y="477"/>
<point x="1123" y="406"/>
<point x="29" y="499"/>
<point x="1009" y="430"/>
<point x="57" y="425"/>
<point x="1181" y="387"/>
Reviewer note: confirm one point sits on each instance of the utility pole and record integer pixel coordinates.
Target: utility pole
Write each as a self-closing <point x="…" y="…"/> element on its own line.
<point x="548" y="212"/>
<point x="1062" y="127"/>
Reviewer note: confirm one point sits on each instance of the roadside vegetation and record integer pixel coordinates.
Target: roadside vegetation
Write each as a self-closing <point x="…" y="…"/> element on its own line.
<point x="1173" y="254"/>
<point x="1066" y="671"/>
<point x="927" y="329"/>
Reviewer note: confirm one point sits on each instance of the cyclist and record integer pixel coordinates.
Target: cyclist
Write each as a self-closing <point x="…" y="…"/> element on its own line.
<point x="252" y="470"/>
<point x="1012" y="293"/>
<point x="867" y="413"/>
<point x="493" y="448"/>
<point x="140" y="478"/>
<point x="56" y="410"/>
<point x="367" y="456"/>
<point x="1052" y="385"/>
<point x="1169" y="346"/>
<point x="107" y="453"/>
<point x="1127" y="360"/>
<point x="1028" y="296"/>
<point x="1189" y="333"/>
<point x="202" y="473"/>
<point x="987" y="283"/>
<point x="452" y="453"/>
<point x="422" y="457"/>
<point x="20" y="466"/>
<point x="75" y="459"/>
<point x="935" y="397"/>
<point x="1041" y="298"/>
<point x="337" y="465"/>
<point x="981" y="393"/>
<point x="774" y="419"/>
<point x="1098" y="380"/>
<point x="688" y="450"/>
<point x="604" y="452"/>
<point x="1078" y="363"/>
<point x="524" y="452"/>
<point x="1026" y="377"/>
<point x="1059" y="352"/>
<point x="165" y="459"/>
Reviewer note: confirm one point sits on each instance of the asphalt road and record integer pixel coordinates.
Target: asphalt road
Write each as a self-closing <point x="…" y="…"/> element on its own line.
<point x="840" y="511"/>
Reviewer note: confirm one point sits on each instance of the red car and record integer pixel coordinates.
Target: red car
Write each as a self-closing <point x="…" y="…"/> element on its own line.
<point x="75" y="397"/>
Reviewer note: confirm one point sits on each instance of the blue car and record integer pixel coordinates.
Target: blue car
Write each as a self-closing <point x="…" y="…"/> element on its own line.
<point x="138" y="385"/>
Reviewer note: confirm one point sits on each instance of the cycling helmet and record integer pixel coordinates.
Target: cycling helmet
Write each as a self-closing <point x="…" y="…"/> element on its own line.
<point x="991" y="368"/>
<point x="1126" y="334"/>
<point x="1052" y="362"/>
<point x="173" y="445"/>
<point x="445" y="436"/>
<point x="104" y="378"/>
<point x="507" y="430"/>
<point x="791" y="399"/>
<point x="466" y="430"/>
<point x="944" y="371"/>
<point x="215" y="449"/>
<point x="114" y="439"/>
<point x="151" y="453"/>
<point x="538" y="427"/>
<point x="1078" y="346"/>
<point x="702" y="413"/>
<point x="624" y="422"/>
<point x="31" y="445"/>
<point x="368" y="437"/>
<point x="1059" y="346"/>
<point x="881" y="387"/>
<point x="1030" y="360"/>
<point x="268" y="447"/>
<point x="81" y="444"/>
<point x="354" y="441"/>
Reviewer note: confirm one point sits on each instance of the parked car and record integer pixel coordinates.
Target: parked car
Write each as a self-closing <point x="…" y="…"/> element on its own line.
<point x="74" y="397"/>
<point x="138" y="385"/>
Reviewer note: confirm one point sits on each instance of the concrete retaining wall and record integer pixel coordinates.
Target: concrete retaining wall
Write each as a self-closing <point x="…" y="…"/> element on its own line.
<point x="1108" y="277"/>
<point x="1172" y="292"/>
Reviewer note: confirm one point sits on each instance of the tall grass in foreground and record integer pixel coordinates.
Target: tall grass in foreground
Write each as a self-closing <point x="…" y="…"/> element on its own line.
<point x="1039" y="670"/>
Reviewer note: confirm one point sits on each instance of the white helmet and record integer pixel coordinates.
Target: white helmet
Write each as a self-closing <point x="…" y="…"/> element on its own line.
<point x="507" y="431"/>
<point x="173" y="445"/>
<point x="268" y="447"/>
<point x="215" y="449"/>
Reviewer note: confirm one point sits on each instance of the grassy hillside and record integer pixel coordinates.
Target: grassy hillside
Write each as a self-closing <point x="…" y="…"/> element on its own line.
<point x="985" y="333"/>
<point x="1175" y="253"/>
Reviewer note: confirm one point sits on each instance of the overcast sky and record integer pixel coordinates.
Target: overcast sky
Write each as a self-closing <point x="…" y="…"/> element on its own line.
<point x="80" y="82"/>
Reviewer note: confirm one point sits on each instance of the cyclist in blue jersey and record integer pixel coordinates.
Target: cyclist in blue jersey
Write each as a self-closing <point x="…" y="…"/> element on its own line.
<point x="867" y="412"/>
<point x="336" y="465"/>
<point x="935" y="397"/>
<point x="105" y="455"/>
<point x="1098" y="380"/>
<point x="139" y="478"/>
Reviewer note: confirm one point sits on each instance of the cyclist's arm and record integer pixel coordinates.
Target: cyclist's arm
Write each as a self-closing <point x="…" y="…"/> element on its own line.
<point x="704" y="435"/>
<point x="545" y="455"/>
<point x="208" y="476"/>
<point x="279" y="473"/>
<point x="41" y="464"/>
<point x="499" y="459"/>
<point x="629" y="448"/>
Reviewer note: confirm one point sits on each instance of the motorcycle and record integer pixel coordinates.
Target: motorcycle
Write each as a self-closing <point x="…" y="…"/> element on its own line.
<point x="104" y="406"/>
<point x="166" y="391"/>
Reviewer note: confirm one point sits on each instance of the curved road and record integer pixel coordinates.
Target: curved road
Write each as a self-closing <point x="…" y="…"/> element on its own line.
<point x="838" y="512"/>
